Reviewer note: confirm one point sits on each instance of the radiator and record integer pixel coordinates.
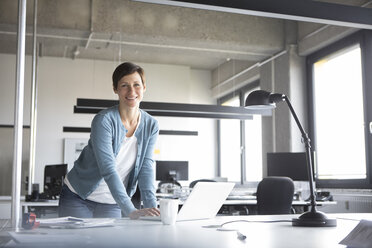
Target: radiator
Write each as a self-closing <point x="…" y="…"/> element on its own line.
<point x="350" y="203"/>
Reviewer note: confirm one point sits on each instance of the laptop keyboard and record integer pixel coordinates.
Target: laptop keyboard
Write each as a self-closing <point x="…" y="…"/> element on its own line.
<point x="153" y="218"/>
<point x="241" y="197"/>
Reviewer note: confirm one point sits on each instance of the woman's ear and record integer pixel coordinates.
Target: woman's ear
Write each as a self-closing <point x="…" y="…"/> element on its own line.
<point x="113" y="88"/>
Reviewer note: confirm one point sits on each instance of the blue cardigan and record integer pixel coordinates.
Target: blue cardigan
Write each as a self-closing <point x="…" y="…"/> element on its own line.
<point x="97" y="160"/>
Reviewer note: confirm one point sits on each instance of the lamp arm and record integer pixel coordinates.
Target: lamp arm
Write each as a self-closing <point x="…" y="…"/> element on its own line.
<point x="286" y="99"/>
<point x="309" y="161"/>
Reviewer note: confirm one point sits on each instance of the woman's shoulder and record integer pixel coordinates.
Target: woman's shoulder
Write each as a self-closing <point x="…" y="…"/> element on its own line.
<point x="108" y="114"/>
<point x="149" y="121"/>
<point x="109" y="111"/>
<point x="147" y="117"/>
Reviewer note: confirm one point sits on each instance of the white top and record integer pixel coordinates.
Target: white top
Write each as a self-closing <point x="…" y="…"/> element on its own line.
<point x="125" y="161"/>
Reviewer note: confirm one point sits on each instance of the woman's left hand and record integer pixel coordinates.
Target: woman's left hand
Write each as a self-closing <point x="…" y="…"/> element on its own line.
<point x="144" y="212"/>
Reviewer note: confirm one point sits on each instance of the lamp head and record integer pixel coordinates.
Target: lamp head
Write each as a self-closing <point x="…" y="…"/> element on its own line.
<point x="260" y="99"/>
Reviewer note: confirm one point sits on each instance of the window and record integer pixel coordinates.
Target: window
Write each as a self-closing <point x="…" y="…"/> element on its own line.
<point x="339" y="105"/>
<point x="253" y="147"/>
<point x="334" y="74"/>
<point x="230" y="144"/>
<point x="240" y="146"/>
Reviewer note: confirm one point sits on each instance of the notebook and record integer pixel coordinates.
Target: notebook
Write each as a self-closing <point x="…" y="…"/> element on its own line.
<point x="204" y="201"/>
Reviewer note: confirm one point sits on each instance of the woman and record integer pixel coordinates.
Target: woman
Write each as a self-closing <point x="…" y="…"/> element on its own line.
<point x="118" y="155"/>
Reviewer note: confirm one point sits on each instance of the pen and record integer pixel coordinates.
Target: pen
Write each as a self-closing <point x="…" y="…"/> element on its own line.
<point x="74" y="219"/>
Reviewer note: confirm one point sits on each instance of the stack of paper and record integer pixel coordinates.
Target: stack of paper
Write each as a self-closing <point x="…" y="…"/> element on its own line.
<point x="72" y="222"/>
<point x="360" y="236"/>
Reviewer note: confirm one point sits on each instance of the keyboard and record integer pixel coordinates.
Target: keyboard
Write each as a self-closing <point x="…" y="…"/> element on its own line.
<point x="241" y="197"/>
<point x="152" y="218"/>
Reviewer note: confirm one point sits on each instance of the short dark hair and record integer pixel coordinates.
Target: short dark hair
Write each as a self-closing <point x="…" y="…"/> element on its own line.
<point x="124" y="69"/>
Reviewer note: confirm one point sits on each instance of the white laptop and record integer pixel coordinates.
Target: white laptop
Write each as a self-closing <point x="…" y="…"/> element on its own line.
<point x="204" y="201"/>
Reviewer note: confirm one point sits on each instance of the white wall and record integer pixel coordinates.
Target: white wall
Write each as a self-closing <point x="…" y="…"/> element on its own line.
<point x="61" y="81"/>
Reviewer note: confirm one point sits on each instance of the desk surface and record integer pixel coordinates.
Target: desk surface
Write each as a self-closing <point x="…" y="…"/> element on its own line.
<point x="141" y="233"/>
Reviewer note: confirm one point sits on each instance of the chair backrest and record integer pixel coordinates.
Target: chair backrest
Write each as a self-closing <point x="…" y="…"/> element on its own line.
<point x="176" y="183"/>
<point x="192" y="184"/>
<point x="275" y="195"/>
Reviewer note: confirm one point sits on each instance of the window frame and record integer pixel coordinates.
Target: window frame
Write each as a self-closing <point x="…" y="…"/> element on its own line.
<point x="364" y="39"/>
<point x="238" y="92"/>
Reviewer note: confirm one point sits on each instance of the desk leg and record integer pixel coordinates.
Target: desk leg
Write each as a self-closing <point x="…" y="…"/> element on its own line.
<point x="300" y="209"/>
<point x="25" y="209"/>
<point x="306" y="208"/>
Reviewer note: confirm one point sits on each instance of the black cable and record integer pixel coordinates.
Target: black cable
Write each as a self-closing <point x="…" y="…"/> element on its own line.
<point x="255" y="221"/>
<point x="241" y="236"/>
<point x="341" y="218"/>
<point x="275" y="221"/>
<point x="252" y="221"/>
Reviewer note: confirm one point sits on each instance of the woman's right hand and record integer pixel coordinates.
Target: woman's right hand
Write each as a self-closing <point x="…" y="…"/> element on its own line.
<point x="144" y="212"/>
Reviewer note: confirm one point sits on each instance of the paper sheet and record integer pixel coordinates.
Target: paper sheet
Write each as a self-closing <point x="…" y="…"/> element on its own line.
<point x="360" y="236"/>
<point x="72" y="222"/>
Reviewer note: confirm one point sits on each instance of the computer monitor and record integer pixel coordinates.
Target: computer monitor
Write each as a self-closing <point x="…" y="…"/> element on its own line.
<point x="171" y="171"/>
<point x="288" y="164"/>
<point x="53" y="179"/>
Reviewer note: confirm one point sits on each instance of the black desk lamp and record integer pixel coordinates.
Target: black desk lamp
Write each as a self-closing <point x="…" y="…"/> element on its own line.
<point x="261" y="99"/>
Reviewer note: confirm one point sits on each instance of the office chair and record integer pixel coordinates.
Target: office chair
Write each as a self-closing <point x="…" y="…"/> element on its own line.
<point x="168" y="187"/>
<point x="275" y="195"/>
<point x="176" y="183"/>
<point x="192" y="184"/>
<point x="53" y="180"/>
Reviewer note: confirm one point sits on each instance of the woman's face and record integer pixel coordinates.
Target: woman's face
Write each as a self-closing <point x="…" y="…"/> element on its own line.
<point x="130" y="90"/>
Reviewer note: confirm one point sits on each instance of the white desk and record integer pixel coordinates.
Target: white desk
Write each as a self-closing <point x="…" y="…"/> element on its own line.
<point x="140" y="233"/>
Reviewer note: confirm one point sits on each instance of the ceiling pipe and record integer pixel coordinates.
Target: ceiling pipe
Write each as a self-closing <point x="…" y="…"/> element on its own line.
<point x="91" y="25"/>
<point x="110" y="41"/>
<point x="258" y="64"/>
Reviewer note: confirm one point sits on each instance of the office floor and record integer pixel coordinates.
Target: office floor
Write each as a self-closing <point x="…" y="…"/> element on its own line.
<point x="5" y="226"/>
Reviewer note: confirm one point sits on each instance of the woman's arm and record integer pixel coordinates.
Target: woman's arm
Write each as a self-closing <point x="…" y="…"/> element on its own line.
<point x="146" y="177"/>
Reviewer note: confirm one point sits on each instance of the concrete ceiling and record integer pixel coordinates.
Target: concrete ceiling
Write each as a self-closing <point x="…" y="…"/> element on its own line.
<point x="122" y="30"/>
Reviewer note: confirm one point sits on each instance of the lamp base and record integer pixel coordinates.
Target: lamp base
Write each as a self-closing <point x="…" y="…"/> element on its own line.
<point x="314" y="219"/>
